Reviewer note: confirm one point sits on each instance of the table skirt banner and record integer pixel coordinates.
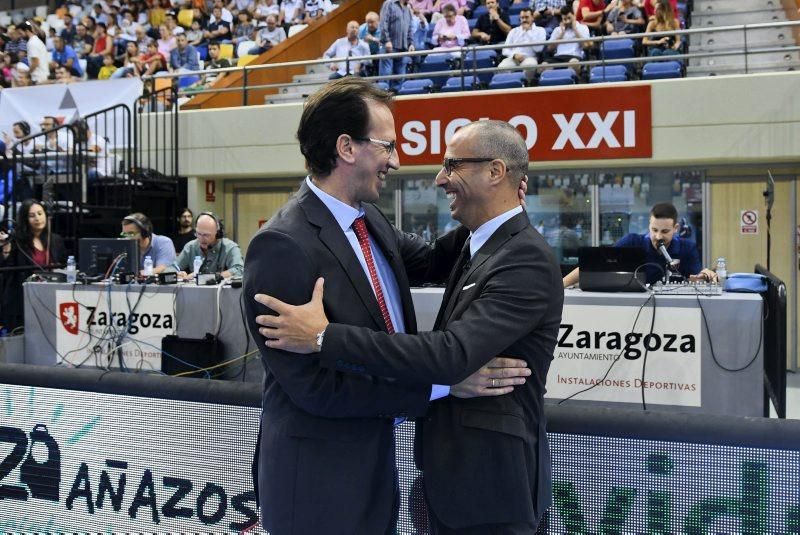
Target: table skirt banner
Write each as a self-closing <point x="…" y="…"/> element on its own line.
<point x="601" y="350"/>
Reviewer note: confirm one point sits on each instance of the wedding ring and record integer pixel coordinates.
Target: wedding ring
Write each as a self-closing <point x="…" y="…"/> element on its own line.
<point x="493" y="382"/>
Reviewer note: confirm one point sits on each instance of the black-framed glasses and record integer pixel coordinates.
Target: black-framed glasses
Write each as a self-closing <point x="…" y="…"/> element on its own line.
<point x="449" y="165"/>
<point x="129" y="234"/>
<point x="388" y="146"/>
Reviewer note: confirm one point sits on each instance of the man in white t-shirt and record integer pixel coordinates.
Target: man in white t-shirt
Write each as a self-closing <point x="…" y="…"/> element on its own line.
<point x="38" y="56"/>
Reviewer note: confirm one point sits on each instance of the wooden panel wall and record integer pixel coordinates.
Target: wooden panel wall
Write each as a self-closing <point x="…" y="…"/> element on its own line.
<point x="308" y="44"/>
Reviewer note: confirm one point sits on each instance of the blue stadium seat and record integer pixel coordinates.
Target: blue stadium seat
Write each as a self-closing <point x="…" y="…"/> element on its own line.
<point x="480" y="59"/>
<point x="513" y="20"/>
<point x="382" y="85"/>
<point x="434" y="63"/>
<point x="454" y="84"/>
<point x="608" y="73"/>
<point x="618" y="49"/>
<point x="558" y="77"/>
<point x="507" y="80"/>
<point x="657" y="70"/>
<point x="472" y="23"/>
<point x="514" y="9"/>
<point x="478" y="11"/>
<point x="186" y="81"/>
<point x="417" y="86"/>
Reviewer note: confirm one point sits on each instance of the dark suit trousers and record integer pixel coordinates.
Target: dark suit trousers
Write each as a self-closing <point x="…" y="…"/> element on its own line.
<point x="437" y="528"/>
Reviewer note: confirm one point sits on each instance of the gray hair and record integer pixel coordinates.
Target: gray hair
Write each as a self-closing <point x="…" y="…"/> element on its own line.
<point x="500" y="140"/>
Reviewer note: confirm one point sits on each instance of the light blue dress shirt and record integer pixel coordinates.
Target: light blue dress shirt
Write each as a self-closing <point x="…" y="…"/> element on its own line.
<point x="485" y="231"/>
<point x="345" y="215"/>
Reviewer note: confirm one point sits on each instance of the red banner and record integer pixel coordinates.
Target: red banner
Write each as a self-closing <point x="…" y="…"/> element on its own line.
<point x="562" y="124"/>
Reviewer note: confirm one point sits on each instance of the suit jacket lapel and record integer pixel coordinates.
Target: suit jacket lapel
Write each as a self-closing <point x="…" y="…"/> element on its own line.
<point x="334" y="239"/>
<point x="500" y="237"/>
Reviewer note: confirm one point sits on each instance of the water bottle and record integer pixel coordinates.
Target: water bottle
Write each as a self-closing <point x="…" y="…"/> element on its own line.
<point x="198" y="261"/>
<point x="722" y="270"/>
<point x="72" y="273"/>
<point x="148" y="266"/>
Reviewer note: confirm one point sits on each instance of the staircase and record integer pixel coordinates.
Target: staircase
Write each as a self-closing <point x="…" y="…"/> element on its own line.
<point x="708" y="14"/>
<point x="316" y="76"/>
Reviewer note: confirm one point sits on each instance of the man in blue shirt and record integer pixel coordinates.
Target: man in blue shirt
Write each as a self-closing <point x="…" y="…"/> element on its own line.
<point x="663" y="226"/>
<point x="65" y="56"/>
<point x="159" y="248"/>
<point x="184" y="56"/>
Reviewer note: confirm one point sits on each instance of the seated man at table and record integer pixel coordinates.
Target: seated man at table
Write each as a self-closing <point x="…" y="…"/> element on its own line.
<point x="219" y="254"/>
<point x="663" y="227"/>
<point x="159" y="248"/>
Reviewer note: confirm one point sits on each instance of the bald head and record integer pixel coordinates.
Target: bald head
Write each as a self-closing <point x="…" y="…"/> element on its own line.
<point x="500" y="140"/>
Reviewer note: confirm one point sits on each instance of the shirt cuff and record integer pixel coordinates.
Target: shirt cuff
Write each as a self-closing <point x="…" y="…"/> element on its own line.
<point x="439" y="391"/>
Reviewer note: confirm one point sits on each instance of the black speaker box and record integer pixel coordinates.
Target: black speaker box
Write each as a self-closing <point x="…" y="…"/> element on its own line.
<point x="193" y="352"/>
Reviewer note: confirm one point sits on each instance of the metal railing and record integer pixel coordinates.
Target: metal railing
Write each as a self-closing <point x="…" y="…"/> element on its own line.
<point x="156" y="135"/>
<point x="467" y="68"/>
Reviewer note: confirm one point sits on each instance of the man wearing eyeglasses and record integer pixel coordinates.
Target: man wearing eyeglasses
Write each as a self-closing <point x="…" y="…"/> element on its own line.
<point x="485" y="461"/>
<point x="325" y="461"/>
<point x="220" y="255"/>
<point x="159" y="248"/>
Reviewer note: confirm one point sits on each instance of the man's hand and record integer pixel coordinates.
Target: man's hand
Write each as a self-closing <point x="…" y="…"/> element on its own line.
<point x="706" y="275"/>
<point x="497" y="378"/>
<point x="295" y="328"/>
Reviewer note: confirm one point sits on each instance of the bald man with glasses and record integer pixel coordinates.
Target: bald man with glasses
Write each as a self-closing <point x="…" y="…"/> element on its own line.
<point x="220" y="255"/>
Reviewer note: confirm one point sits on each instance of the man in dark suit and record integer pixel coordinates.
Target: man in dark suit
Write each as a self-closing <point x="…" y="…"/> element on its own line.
<point x="486" y="460"/>
<point x="325" y="463"/>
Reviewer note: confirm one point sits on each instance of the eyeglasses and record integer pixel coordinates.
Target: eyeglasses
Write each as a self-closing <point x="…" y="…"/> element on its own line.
<point x="388" y="146"/>
<point x="449" y="165"/>
<point x="203" y="234"/>
<point x="128" y="234"/>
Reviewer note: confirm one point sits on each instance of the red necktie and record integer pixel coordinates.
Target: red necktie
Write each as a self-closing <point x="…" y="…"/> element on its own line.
<point x="360" y="228"/>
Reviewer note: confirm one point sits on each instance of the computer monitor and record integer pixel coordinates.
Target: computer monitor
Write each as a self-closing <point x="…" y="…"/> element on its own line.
<point x="611" y="269"/>
<point x="95" y="255"/>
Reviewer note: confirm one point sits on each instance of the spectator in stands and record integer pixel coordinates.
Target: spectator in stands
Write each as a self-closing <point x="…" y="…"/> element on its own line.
<point x="492" y="27"/>
<point x="99" y="16"/>
<point x="264" y="8"/>
<point x="291" y="13"/>
<point x="370" y="33"/>
<point x="419" y="28"/>
<point x="240" y="6"/>
<point x="546" y="13"/>
<point x="220" y="255"/>
<point x="518" y="53"/>
<point x="217" y="29"/>
<point x="592" y="13"/>
<point x="425" y="7"/>
<point x="65" y="55"/>
<point x="6" y="71"/>
<point x="244" y="30"/>
<point x="568" y="29"/>
<point x="108" y="68"/>
<point x="63" y="76"/>
<point x="21" y="76"/>
<point x="90" y="23"/>
<point x="127" y="27"/>
<point x="142" y="39"/>
<point x="396" y="36"/>
<point x="461" y="6"/>
<point x="159" y="248"/>
<point x="195" y="34"/>
<point x="103" y="44"/>
<point x="100" y="163"/>
<point x="664" y="21"/>
<point x="348" y="46"/>
<point x="185" y="231"/>
<point x="20" y="129"/>
<point x="166" y="41"/>
<point x="184" y="56"/>
<point x="215" y="62"/>
<point x="130" y="62"/>
<point x="33" y="245"/>
<point x="48" y="44"/>
<point x="152" y="61"/>
<point x="226" y="15"/>
<point x="69" y="31"/>
<point x="625" y="18"/>
<point x="38" y="57"/>
<point x="16" y="45"/>
<point x="650" y="8"/>
<point x="315" y="9"/>
<point x="450" y="31"/>
<point x="83" y="43"/>
<point x="158" y="14"/>
<point x="54" y="141"/>
<point x="268" y="36"/>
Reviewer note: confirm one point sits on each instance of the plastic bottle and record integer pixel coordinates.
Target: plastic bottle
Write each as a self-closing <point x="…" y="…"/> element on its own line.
<point x="72" y="273"/>
<point x="198" y="261"/>
<point x="722" y="270"/>
<point x="148" y="266"/>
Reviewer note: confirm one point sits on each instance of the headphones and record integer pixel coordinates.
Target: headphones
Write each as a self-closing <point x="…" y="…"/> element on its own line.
<point x="25" y="127"/>
<point x="220" y="229"/>
<point x="142" y="222"/>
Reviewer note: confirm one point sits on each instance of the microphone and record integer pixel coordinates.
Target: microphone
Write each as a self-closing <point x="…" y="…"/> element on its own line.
<point x="672" y="264"/>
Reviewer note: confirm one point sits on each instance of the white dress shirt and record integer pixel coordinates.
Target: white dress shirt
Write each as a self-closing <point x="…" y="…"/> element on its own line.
<point x="517" y="37"/>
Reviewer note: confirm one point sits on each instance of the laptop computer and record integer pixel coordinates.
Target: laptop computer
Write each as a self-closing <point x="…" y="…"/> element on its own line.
<point x="611" y="269"/>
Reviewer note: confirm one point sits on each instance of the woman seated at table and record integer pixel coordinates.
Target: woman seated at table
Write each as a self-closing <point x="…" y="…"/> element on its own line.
<point x="32" y="245"/>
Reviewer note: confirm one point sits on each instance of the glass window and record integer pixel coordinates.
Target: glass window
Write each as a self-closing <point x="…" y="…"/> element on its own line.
<point x="625" y="200"/>
<point x="426" y="209"/>
<point x="560" y="208"/>
<point x="386" y="202"/>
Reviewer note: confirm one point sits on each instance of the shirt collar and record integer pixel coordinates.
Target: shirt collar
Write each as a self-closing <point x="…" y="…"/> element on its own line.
<point x="342" y="212"/>
<point x="485" y="231"/>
